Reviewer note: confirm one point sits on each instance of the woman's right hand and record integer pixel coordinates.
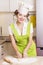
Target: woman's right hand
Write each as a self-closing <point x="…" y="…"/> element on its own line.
<point x="19" y="55"/>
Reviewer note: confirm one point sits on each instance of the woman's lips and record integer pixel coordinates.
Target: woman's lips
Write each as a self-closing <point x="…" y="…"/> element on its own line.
<point x="21" y="19"/>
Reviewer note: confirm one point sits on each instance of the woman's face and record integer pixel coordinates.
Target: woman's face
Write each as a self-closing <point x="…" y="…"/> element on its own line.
<point x="21" y="18"/>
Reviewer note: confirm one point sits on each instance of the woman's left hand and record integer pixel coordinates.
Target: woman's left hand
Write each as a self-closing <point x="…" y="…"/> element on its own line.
<point x="25" y="54"/>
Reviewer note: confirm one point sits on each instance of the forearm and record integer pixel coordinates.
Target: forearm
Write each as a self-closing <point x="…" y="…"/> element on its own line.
<point x="19" y="55"/>
<point x="29" y="43"/>
<point x="26" y="49"/>
<point x="13" y="43"/>
<point x="14" y="46"/>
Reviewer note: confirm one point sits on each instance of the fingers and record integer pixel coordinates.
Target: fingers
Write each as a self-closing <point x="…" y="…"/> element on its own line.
<point x="24" y="55"/>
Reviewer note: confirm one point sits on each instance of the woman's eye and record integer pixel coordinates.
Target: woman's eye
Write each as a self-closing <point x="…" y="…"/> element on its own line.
<point x="24" y="15"/>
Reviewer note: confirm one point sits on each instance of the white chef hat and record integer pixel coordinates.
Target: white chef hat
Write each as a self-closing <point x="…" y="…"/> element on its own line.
<point x="23" y="9"/>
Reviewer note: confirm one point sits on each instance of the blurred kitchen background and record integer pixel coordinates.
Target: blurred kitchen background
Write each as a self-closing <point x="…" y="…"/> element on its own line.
<point x="7" y="8"/>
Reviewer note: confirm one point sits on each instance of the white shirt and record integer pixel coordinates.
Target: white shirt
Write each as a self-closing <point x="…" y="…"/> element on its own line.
<point x="24" y="29"/>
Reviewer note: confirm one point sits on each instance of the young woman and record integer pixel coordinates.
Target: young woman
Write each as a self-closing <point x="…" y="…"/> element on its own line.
<point x="21" y="33"/>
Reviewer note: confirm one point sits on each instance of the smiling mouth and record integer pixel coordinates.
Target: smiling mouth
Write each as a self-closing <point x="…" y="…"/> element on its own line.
<point x="21" y="19"/>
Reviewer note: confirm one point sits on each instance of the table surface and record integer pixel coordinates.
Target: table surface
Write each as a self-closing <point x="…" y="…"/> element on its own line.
<point x="38" y="62"/>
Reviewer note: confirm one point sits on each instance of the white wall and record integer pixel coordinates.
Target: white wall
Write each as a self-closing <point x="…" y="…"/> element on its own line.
<point x="5" y="20"/>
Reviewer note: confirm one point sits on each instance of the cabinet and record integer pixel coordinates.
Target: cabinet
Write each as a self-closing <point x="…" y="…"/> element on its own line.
<point x="6" y="49"/>
<point x="39" y="22"/>
<point x="4" y="5"/>
<point x="2" y="50"/>
<point x="8" y="5"/>
<point x="13" y="5"/>
<point x="39" y="51"/>
<point x="10" y="49"/>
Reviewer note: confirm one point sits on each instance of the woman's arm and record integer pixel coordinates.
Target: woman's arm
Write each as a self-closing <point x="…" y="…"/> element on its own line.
<point x="28" y="46"/>
<point x="13" y="42"/>
<point x="15" y="46"/>
<point x="29" y="43"/>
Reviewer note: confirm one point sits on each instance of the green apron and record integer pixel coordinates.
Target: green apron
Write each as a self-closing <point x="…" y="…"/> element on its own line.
<point x="22" y="40"/>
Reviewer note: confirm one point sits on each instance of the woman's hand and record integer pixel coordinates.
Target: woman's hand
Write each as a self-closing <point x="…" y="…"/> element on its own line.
<point x="19" y="55"/>
<point x="25" y="54"/>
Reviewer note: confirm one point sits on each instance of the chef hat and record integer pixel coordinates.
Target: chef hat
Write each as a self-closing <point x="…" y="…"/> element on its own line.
<point x="23" y="9"/>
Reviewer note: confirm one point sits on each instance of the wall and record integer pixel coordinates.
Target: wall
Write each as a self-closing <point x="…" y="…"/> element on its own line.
<point x="39" y="22"/>
<point x="5" y="19"/>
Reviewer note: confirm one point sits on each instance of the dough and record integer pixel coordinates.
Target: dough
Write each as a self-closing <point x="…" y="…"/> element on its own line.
<point x="10" y="59"/>
<point x="5" y="63"/>
<point x="26" y="61"/>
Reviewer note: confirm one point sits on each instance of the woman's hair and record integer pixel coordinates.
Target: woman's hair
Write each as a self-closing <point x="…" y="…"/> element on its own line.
<point x="16" y="12"/>
<point x="27" y="14"/>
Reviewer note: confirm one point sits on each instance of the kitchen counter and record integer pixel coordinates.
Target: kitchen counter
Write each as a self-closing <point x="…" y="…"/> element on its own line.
<point x="4" y="39"/>
<point x="7" y="39"/>
<point x="39" y="61"/>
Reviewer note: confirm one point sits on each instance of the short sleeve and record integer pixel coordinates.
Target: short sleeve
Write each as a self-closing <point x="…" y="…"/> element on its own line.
<point x="10" y="31"/>
<point x="31" y="29"/>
